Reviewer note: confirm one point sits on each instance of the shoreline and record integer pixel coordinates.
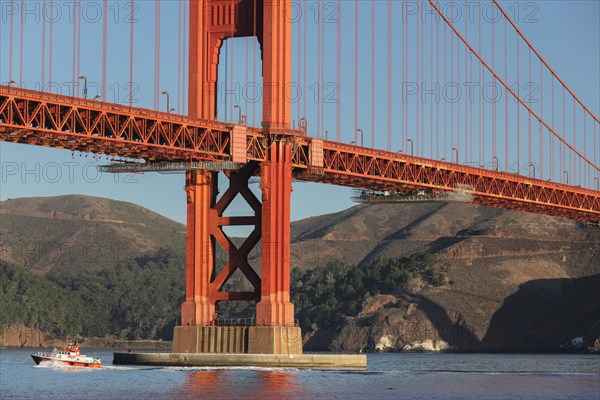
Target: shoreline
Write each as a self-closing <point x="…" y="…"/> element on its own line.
<point x="165" y="347"/>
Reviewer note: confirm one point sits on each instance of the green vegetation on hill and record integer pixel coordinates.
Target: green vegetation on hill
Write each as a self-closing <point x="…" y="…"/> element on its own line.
<point x="136" y="299"/>
<point x="38" y="302"/>
<point x="140" y="299"/>
<point x="325" y="295"/>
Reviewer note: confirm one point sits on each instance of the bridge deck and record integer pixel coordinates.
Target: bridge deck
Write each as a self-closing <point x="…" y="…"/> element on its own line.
<point x="77" y="124"/>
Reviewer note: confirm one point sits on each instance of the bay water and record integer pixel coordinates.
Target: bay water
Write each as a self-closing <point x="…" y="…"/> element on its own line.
<point x="388" y="376"/>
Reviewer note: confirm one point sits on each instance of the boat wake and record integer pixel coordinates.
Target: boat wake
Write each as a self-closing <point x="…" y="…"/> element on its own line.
<point x="59" y="365"/>
<point x="119" y="368"/>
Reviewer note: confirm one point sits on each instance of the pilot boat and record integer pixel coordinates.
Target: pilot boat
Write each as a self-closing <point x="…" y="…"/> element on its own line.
<point x="70" y="356"/>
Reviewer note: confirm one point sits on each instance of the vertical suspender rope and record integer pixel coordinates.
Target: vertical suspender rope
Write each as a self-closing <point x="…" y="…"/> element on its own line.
<point x="540" y="128"/>
<point x="10" y="46"/>
<point x="552" y="136"/>
<point x="595" y="159"/>
<point x="245" y="92"/>
<point x="372" y="74"/>
<point x="389" y="77"/>
<point x="494" y="121"/>
<point x="584" y="178"/>
<point x="465" y="146"/>
<point x="505" y="99"/>
<point x="298" y="69"/>
<point x="184" y="78"/>
<point x="179" y="51"/>
<point x="529" y="156"/>
<point x="78" y="18"/>
<point x="51" y="40"/>
<point x="322" y="69"/>
<point x="469" y="61"/>
<point x="431" y="87"/>
<point x="43" y="46"/>
<point x="231" y="57"/>
<point x="21" y="48"/>
<point x="518" y="108"/>
<point x="355" y="66"/>
<point x="156" y="51"/>
<point x="445" y="148"/>
<point x="338" y="113"/>
<point x="404" y="78"/>
<point x="319" y="79"/>
<point x="572" y="167"/>
<point x="437" y="79"/>
<point x="452" y="145"/>
<point x="563" y="160"/>
<point x="131" y="55"/>
<point x="254" y="77"/>
<point x="74" y="76"/>
<point x="304" y="88"/>
<point x="458" y="102"/>
<point x="422" y="147"/>
<point x="417" y="100"/>
<point x="480" y="96"/>
<point x="104" y="48"/>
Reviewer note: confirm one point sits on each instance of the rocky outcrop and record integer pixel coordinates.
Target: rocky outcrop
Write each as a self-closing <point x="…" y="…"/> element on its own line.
<point x="542" y="315"/>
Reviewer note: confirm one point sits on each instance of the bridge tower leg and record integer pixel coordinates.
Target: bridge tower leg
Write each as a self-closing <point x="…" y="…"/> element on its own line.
<point x="275" y="312"/>
<point x="212" y="21"/>
<point x="198" y="308"/>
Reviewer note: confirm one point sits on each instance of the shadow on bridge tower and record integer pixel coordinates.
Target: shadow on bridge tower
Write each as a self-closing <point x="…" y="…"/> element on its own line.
<point x="211" y="22"/>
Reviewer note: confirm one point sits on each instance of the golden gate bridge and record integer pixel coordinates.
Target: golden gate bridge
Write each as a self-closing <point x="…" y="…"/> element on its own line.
<point x="444" y="85"/>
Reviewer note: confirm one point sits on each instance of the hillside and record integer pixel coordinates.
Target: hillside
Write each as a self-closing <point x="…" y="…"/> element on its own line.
<point x="509" y="280"/>
<point x="72" y="232"/>
<point x="78" y="265"/>
<point x="366" y="232"/>
<point x="379" y="277"/>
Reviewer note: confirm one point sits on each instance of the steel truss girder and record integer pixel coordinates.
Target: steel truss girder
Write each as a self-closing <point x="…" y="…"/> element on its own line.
<point x="66" y="122"/>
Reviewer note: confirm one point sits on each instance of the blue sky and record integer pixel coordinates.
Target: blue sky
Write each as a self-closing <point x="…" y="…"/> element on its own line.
<point x="565" y="32"/>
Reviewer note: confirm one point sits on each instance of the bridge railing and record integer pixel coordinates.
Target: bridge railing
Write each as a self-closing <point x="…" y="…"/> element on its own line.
<point x="240" y="322"/>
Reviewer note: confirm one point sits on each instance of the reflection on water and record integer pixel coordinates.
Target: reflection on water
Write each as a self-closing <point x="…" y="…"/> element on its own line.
<point x="240" y="382"/>
<point x="279" y="384"/>
<point x="200" y="382"/>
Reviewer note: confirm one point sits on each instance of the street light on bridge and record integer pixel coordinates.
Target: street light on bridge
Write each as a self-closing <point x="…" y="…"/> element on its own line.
<point x="302" y="124"/>
<point x="566" y="175"/>
<point x="83" y="77"/>
<point x="169" y="109"/>
<point x="495" y="163"/>
<point x="239" y="113"/>
<point x="361" y="137"/>
<point x="456" y="149"/>
<point x="411" y="146"/>
<point x="529" y="167"/>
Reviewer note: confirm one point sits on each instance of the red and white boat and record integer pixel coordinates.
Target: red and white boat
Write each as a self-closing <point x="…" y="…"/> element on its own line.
<point x="70" y="356"/>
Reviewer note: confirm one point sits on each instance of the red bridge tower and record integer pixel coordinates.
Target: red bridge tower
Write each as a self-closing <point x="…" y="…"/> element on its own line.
<point x="211" y="22"/>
